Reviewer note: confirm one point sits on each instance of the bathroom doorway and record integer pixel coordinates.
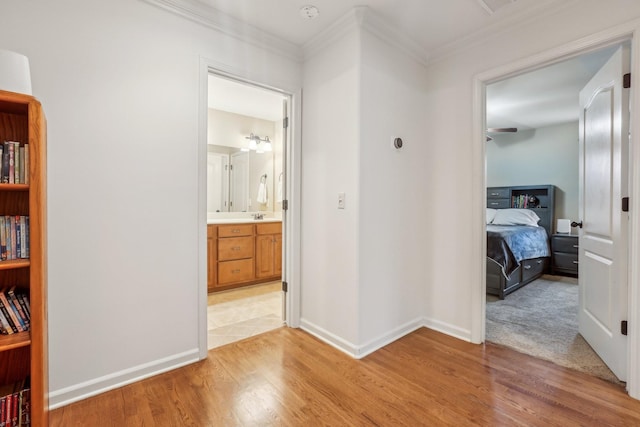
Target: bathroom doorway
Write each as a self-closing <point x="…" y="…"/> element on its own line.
<point x="247" y="130"/>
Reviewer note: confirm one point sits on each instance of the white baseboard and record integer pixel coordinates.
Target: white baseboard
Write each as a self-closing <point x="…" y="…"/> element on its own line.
<point x="389" y="337"/>
<point x="355" y="351"/>
<point x="328" y="337"/>
<point x="65" y="396"/>
<point x="446" y="328"/>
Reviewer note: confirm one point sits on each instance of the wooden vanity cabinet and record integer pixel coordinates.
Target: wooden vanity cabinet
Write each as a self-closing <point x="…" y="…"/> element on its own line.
<point x="212" y="256"/>
<point x="269" y="250"/>
<point x="243" y="254"/>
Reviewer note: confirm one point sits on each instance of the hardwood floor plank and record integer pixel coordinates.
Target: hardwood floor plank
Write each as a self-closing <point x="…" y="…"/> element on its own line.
<point x="287" y="377"/>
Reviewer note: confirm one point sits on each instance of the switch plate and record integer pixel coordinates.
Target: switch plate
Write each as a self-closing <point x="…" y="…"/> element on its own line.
<point x="340" y="200"/>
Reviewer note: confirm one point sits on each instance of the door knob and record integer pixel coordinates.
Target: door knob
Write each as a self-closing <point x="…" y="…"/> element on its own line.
<point x="576" y="224"/>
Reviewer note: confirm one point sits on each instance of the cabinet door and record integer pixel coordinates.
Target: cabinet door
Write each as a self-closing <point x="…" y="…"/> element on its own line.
<point x="211" y="257"/>
<point x="264" y="255"/>
<point x="277" y="255"/>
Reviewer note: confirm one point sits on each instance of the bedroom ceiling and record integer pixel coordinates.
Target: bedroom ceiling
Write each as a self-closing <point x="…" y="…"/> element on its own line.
<point x="544" y="97"/>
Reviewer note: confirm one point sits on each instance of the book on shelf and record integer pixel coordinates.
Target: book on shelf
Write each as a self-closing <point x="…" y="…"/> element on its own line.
<point x="14" y="237"/>
<point x="14" y="166"/>
<point x="13" y="299"/>
<point x="15" y="313"/>
<point x="15" y="404"/>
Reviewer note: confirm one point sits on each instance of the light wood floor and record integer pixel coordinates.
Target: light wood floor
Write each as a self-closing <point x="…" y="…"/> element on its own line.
<point x="287" y="377"/>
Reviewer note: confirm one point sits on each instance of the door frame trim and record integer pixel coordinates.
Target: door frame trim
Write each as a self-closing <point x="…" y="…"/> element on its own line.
<point x="291" y="219"/>
<point x="621" y="33"/>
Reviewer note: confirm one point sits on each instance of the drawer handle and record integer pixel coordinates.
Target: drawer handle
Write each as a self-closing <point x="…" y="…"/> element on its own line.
<point x="576" y="246"/>
<point x="495" y="194"/>
<point x="235" y="230"/>
<point x="235" y="271"/>
<point x="527" y="267"/>
<point x="494" y="203"/>
<point x="576" y="262"/>
<point x="236" y="248"/>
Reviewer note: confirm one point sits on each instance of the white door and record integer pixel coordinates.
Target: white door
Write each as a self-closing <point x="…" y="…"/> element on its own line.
<point x="239" y="177"/>
<point x="217" y="182"/>
<point x="604" y="147"/>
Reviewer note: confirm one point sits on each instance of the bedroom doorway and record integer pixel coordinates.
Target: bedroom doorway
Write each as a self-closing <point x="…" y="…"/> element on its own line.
<point x="247" y="132"/>
<point x="529" y="146"/>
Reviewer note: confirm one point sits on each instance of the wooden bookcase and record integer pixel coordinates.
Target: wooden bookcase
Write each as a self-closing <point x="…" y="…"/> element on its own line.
<point x="25" y="353"/>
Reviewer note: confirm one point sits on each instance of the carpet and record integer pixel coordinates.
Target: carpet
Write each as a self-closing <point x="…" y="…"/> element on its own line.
<point x="541" y="319"/>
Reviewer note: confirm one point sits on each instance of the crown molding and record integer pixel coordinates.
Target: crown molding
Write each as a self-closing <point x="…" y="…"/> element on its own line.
<point x="364" y="18"/>
<point x="541" y="9"/>
<point x="213" y="18"/>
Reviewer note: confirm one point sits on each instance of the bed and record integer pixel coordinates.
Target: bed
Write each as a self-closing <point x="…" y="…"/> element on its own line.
<point x="518" y="249"/>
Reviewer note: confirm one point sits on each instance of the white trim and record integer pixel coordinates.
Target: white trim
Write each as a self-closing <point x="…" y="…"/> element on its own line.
<point x="201" y="186"/>
<point x="447" y="328"/>
<point x="293" y="228"/>
<point x="617" y="34"/>
<point x="537" y="12"/>
<point x="292" y="232"/>
<point x="329" y="338"/>
<point x="389" y="337"/>
<point x="208" y="16"/>
<point x="118" y="379"/>
<point x="365" y="18"/>
<point x="361" y="351"/>
<point x="633" y="370"/>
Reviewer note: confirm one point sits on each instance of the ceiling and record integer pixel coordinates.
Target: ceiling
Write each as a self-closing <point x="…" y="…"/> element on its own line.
<point x="430" y="23"/>
<point x="544" y="97"/>
<point x="537" y="99"/>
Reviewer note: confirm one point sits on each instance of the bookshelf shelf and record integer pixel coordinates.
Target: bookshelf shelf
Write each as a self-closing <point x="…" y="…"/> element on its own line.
<point x="14" y="263"/>
<point x="9" y="342"/>
<point x="23" y="355"/>
<point x="14" y="187"/>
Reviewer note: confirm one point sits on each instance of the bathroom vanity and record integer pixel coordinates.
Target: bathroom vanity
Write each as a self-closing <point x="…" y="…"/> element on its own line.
<point x="243" y="252"/>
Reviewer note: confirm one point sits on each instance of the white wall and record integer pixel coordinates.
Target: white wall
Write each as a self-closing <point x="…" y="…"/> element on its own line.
<point x="451" y="284"/>
<point x="119" y="83"/>
<point x="547" y="155"/>
<point x="363" y="266"/>
<point x="330" y="121"/>
<point x="394" y="188"/>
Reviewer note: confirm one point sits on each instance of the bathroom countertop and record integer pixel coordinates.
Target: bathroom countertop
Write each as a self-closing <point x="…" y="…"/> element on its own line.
<point x="241" y="220"/>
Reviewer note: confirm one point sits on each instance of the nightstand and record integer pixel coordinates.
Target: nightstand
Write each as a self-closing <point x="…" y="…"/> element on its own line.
<point x="564" y="254"/>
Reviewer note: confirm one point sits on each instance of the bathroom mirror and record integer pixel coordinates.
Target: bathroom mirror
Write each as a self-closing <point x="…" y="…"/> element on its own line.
<point x="239" y="181"/>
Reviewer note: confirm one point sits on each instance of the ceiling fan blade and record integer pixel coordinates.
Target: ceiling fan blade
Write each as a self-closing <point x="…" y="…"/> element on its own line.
<point x="496" y="130"/>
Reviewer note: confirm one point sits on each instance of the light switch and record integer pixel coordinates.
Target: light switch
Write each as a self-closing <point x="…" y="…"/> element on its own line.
<point x="340" y="200"/>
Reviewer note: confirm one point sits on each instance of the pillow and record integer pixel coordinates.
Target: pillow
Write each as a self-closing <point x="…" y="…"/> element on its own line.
<point x="491" y="213"/>
<point x="516" y="217"/>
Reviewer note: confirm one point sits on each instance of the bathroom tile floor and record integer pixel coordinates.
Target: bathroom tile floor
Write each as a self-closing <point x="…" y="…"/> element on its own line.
<point x="242" y="313"/>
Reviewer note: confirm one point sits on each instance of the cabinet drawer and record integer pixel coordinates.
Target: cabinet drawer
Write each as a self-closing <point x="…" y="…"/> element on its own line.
<point x="532" y="267"/>
<point x="235" y="271"/>
<point x="235" y="248"/>
<point x="565" y="261"/>
<point x="498" y="203"/>
<point x="235" y="230"/>
<point x="497" y="193"/>
<point x="269" y="228"/>
<point x="565" y="244"/>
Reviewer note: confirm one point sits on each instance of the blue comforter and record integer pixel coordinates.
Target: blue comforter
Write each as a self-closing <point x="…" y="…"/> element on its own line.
<point x="507" y="245"/>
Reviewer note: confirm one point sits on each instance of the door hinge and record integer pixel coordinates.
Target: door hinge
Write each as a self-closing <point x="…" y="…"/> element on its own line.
<point x="285" y="287"/>
<point x="623" y="327"/>
<point x="285" y="122"/>
<point x="626" y="81"/>
<point x="285" y="205"/>
<point x="625" y="204"/>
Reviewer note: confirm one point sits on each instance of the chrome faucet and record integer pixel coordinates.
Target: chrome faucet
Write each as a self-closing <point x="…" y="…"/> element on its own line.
<point x="257" y="216"/>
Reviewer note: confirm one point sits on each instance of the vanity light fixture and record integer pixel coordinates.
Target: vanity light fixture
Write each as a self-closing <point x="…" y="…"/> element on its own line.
<point x="259" y="145"/>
